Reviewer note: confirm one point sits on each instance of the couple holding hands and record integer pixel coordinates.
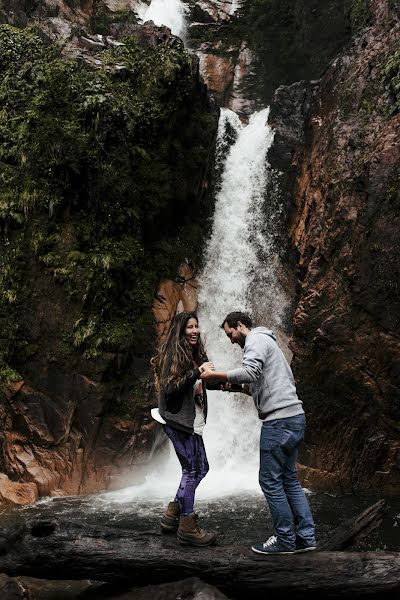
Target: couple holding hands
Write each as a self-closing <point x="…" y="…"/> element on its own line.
<point x="183" y="372"/>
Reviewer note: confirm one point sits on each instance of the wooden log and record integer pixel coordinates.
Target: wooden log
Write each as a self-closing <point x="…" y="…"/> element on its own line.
<point x="354" y="528"/>
<point x="67" y="550"/>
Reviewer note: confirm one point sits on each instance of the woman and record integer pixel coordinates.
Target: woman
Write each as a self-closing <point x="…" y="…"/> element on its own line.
<point x="183" y="407"/>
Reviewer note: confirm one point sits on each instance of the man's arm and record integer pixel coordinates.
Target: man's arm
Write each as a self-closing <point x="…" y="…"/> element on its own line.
<point x="255" y="355"/>
<point x="254" y="358"/>
<point x="247" y="373"/>
<point x="222" y="379"/>
<point x="214" y="376"/>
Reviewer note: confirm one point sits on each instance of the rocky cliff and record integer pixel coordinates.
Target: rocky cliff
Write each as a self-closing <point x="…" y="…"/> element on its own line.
<point x="247" y="48"/>
<point x="338" y="144"/>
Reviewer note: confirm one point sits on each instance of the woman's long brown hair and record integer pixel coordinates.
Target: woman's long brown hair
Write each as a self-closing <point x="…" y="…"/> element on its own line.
<point x="176" y="356"/>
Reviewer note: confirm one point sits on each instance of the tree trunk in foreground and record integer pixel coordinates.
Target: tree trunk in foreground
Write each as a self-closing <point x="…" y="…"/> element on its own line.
<point x="67" y="550"/>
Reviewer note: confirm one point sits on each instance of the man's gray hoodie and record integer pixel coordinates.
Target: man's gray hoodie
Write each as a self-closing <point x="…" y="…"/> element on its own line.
<point x="266" y="369"/>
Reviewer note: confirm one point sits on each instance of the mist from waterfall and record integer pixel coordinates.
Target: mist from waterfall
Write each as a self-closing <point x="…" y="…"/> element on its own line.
<point x="171" y="13"/>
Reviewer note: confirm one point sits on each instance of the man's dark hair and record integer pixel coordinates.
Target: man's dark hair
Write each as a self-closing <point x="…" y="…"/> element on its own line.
<point x="234" y="317"/>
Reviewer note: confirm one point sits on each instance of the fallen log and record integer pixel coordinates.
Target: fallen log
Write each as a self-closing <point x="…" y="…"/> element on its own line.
<point x="66" y="550"/>
<point x="354" y="529"/>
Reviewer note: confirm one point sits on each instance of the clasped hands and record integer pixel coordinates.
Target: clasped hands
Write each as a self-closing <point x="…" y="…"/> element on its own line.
<point x="207" y="366"/>
<point x="208" y="373"/>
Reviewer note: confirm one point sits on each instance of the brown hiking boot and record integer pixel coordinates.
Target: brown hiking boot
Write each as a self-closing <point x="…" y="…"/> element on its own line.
<point x="170" y="519"/>
<point x="189" y="532"/>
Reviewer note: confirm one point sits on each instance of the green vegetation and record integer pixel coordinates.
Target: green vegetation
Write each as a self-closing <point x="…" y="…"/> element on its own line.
<point x="100" y="171"/>
<point x="102" y="18"/>
<point x="367" y="105"/>
<point x="392" y="197"/>
<point x="360" y="15"/>
<point x="391" y="77"/>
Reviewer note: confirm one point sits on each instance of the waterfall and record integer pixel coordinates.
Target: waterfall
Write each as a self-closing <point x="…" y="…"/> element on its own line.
<point x="235" y="4"/>
<point x="238" y="260"/>
<point x="165" y="12"/>
<point x="232" y="262"/>
<point x="239" y="273"/>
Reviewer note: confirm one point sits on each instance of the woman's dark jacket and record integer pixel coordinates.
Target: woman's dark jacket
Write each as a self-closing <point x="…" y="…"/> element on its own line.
<point x="176" y="402"/>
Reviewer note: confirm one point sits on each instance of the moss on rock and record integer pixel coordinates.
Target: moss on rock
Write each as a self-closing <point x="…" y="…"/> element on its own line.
<point x="101" y="170"/>
<point x="360" y="15"/>
<point x="391" y="77"/>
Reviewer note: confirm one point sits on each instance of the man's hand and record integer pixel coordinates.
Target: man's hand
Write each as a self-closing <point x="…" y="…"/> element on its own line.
<point x="209" y="375"/>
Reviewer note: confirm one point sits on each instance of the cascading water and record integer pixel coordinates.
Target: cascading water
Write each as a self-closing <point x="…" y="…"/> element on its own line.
<point x="235" y="4"/>
<point x="232" y="261"/>
<point x="165" y="12"/>
<point x="232" y="258"/>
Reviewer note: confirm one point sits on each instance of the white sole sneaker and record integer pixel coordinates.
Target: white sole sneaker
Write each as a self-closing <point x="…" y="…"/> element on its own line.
<point x="272" y="553"/>
<point x="308" y="549"/>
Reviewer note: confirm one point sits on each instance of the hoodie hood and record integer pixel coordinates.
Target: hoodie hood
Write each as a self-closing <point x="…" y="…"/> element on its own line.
<point x="263" y="330"/>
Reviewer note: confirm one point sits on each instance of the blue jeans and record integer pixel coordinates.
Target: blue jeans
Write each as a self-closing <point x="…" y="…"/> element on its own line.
<point x="287" y="502"/>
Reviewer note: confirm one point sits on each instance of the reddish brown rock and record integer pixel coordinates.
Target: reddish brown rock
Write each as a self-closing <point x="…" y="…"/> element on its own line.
<point x="69" y="449"/>
<point x="345" y="226"/>
<point x="12" y="492"/>
<point x="175" y="296"/>
<point x="217" y="72"/>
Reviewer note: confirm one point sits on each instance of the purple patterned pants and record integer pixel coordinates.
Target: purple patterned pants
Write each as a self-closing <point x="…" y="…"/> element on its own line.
<point x="191" y="453"/>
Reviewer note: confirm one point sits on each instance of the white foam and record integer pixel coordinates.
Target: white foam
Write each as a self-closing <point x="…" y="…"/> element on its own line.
<point x="171" y="13"/>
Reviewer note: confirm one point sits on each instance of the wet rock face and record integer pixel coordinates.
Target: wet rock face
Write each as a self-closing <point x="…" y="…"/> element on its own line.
<point x="225" y="58"/>
<point x="63" y="444"/>
<point x="207" y="11"/>
<point x="345" y="224"/>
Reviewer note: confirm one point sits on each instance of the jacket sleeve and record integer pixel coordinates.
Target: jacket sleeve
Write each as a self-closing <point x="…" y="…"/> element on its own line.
<point x="215" y="385"/>
<point x="254" y="358"/>
<point x="189" y="378"/>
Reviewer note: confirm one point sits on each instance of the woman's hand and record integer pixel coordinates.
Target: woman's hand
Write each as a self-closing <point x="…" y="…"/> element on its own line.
<point x="207" y="366"/>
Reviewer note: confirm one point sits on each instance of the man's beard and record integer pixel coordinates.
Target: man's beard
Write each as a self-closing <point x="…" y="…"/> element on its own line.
<point x="242" y="340"/>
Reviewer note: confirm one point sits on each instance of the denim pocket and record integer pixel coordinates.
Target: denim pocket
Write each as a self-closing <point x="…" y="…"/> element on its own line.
<point x="296" y="423"/>
<point x="291" y="437"/>
<point x="271" y="436"/>
<point x="285" y="434"/>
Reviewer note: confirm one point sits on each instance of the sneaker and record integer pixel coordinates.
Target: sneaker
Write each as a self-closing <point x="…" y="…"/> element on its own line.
<point x="303" y="546"/>
<point x="271" y="546"/>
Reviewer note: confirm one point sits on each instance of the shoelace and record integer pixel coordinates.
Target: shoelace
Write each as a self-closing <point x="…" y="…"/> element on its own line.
<point x="270" y="541"/>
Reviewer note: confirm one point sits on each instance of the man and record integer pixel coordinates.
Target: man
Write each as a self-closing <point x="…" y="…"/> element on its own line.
<point x="271" y="384"/>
